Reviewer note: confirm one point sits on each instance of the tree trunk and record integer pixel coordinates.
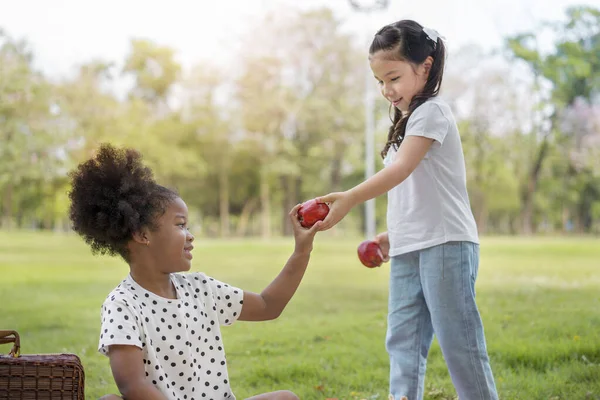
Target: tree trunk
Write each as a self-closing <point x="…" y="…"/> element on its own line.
<point x="483" y="218"/>
<point x="479" y="197"/>
<point x="265" y="205"/>
<point x="528" y="192"/>
<point x="286" y="227"/>
<point x="584" y="206"/>
<point x="224" y="201"/>
<point x="298" y="192"/>
<point x="336" y="181"/>
<point x="291" y="187"/>
<point x="7" y="207"/>
<point x="480" y="211"/>
<point x="247" y="210"/>
<point x="336" y="169"/>
<point x="565" y="216"/>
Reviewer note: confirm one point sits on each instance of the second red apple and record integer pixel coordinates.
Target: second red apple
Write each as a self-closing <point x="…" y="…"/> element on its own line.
<point x="369" y="253"/>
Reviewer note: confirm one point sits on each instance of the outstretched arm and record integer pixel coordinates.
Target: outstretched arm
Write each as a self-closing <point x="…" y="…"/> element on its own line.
<point x="274" y="298"/>
<point x="409" y="155"/>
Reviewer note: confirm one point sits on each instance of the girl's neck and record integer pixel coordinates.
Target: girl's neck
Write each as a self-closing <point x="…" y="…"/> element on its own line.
<point x="153" y="281"/>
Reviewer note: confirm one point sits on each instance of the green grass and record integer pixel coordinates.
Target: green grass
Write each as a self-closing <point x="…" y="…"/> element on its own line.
<point x="539" y="299"/>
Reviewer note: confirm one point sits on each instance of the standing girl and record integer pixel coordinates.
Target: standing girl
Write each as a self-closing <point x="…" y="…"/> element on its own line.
<point x="432" y="236"/>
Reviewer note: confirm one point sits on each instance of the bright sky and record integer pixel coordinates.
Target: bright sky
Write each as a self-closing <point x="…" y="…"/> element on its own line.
<point x="64" y="33"/>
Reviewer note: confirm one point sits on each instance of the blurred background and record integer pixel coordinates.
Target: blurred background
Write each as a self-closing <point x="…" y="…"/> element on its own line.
<point x="250" y="107"/>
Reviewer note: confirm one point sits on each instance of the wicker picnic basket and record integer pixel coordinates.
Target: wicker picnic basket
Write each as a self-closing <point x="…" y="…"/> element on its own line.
<point x="39" y="376"/>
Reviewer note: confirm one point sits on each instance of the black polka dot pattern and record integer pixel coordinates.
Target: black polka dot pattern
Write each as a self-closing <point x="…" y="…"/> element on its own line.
<point x="181" y="341"/>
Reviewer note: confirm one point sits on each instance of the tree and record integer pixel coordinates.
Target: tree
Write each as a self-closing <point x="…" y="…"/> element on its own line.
<point x="88" y="112"/>
<point x="209" y="137"/>
<point x="154" y="70"/>
<point x="491" y="105"/>
<point x="298" y="93"/>
<point x="572" y="70"/>
<point x="30" y="151"/>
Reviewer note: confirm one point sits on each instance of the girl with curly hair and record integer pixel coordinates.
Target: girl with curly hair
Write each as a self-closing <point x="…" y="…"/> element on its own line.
<point x="161" y="327"/>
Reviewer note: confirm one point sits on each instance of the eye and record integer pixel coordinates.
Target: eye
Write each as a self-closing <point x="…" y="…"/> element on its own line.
<point x="395" y="79"/>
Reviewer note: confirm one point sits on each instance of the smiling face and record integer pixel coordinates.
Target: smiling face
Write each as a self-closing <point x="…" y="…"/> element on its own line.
<point x="398" y="80"/>
<point x="171" y="243"/>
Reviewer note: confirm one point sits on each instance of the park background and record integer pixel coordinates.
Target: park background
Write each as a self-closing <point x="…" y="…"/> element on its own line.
<point x="250" y="107"/>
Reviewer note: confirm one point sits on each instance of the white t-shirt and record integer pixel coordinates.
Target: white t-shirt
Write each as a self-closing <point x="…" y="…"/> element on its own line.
<point x="431" y="206"/>
<point x="180" y="339"/>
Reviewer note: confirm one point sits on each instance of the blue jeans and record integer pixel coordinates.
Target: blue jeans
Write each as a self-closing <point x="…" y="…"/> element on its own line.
<point x="433" y="291"/>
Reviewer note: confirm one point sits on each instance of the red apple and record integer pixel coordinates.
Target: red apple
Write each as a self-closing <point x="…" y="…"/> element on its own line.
<point x="310" y="212"/>
<point x="369" y="253"/>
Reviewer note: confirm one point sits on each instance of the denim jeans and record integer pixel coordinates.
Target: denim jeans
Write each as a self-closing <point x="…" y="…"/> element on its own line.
<point x="433" y="291"/>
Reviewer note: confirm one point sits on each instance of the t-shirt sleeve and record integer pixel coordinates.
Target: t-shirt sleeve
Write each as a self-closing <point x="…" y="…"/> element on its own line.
<point x="428" y="120"/>
<point x="119" y="325"/>
<point x="228" y="301"/>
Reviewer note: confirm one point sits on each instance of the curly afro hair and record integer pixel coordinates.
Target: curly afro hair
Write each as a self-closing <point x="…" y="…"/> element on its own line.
<point x="113" y="196"/>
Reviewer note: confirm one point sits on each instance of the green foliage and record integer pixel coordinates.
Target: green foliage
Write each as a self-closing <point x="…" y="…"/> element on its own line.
<point x="154" y="69"/>
<point x="286" y="123"/>
<point x="572" y="68"/>
<point x="31" y="142"/>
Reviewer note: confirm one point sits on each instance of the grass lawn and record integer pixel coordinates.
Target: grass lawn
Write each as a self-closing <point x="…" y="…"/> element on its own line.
<point x="539" y="299"/>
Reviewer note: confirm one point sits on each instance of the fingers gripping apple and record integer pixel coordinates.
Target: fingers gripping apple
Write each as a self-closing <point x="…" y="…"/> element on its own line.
<point x="310" y="212"/>
<point x="369" y="253"/>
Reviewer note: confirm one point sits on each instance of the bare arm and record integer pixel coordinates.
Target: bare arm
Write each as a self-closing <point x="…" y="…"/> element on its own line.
<point x="410" y="154"/>
<point x="127" y="365"/>
<point x="274" y="298"/>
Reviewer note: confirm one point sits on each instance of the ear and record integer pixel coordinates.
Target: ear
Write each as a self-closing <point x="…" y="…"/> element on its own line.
<point x="142" y="236"/>
<point x="427" y="64"/>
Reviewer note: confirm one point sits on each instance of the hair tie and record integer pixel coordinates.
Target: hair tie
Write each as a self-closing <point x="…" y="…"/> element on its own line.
<point x="433" y="35"/>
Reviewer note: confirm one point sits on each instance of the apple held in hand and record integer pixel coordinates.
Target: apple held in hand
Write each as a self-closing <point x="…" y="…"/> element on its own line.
<point x="369" y="253"/>
<point x="310" y="212"/>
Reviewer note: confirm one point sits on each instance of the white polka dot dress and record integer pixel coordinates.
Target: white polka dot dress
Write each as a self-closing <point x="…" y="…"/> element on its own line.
<point x="181" y="340"/>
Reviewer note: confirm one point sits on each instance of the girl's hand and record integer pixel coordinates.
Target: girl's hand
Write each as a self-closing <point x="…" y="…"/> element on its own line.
<point x="383" y="241"/>
<point x="304" y="237"/>
<point x="340" y="203"/>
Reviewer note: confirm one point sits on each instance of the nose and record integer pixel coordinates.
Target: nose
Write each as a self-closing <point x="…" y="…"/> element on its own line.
<point x="190" y="238"/>
<point x="387" y="92"/>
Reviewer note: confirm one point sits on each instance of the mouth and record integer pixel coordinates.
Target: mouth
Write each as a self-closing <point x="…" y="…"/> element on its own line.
<point x="187" y="251"/>
<point x="396" y="102"/>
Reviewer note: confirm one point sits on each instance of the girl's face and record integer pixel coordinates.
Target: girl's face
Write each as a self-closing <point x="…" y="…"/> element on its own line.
<point x="171" y="243"/>
<point x="399" y="81"/>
